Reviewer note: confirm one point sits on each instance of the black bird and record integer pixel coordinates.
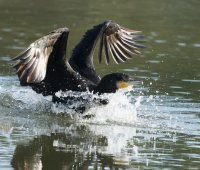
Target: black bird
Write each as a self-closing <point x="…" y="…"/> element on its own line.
<point x="44" y="65"/>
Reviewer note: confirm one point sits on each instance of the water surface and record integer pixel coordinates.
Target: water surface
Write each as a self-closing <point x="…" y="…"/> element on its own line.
<point x="154" y="125"/>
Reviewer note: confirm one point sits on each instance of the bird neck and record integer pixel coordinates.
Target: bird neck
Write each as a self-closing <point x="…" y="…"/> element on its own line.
<point x="83" y="51"/>
<point x="104" y="88"/>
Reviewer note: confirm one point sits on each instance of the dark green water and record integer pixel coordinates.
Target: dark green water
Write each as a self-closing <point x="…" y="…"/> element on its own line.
<point x="155" y="125"/>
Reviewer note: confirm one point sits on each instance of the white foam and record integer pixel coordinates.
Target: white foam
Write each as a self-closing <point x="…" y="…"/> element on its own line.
<point x="118" y="110"/>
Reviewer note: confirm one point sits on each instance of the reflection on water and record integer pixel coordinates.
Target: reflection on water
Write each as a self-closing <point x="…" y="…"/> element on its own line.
<point x="156" y="125"/>
<point x="88" y="146"/>
<point x="98" y="146"/>
<point x="88" y="151"/>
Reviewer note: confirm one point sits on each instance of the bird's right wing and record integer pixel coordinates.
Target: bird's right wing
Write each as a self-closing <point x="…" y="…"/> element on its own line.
<point x="43" y="65"/>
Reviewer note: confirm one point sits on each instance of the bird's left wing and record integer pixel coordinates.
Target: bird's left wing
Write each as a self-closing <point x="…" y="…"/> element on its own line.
<point x="116" y="42"/>
<point x="119" y="42"/>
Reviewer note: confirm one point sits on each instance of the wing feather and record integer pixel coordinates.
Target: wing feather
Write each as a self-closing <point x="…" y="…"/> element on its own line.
<point x="113" y="45"/>
<point x="106" y="50"/>
<point x="121" y="42"/>
<point x="116" y="60"/>
<point x="116" y="42"/>
<point x="32" y="63"/>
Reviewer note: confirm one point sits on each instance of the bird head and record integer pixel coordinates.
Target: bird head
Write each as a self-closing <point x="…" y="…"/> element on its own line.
<point x="112" y="82"/>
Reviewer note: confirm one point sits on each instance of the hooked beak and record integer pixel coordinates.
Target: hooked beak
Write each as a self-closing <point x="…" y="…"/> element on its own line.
<point x="131" y="82"/>
<point x="122" y="84"/>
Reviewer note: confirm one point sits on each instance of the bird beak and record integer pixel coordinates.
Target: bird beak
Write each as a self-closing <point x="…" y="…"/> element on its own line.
<point x="122" y="84"/>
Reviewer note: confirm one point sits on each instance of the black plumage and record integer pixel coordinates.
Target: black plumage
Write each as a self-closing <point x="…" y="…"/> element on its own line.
<point x="44" y="65"/>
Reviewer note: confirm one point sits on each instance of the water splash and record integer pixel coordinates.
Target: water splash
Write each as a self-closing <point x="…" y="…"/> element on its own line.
<point x="119" y="108"/>
<point x="125" y="107"/>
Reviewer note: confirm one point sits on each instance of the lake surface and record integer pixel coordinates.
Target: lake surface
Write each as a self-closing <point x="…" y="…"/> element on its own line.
<point x="152" y="125"/>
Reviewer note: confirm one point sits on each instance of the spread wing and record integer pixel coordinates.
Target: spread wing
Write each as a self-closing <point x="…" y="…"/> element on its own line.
<point x="116" y="41"/>
<point x="43" y="65"/>
<point x="119" y="42"/>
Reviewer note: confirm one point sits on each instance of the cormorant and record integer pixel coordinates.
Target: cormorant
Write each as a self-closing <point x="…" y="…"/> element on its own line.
<point x="44" y="65"/>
